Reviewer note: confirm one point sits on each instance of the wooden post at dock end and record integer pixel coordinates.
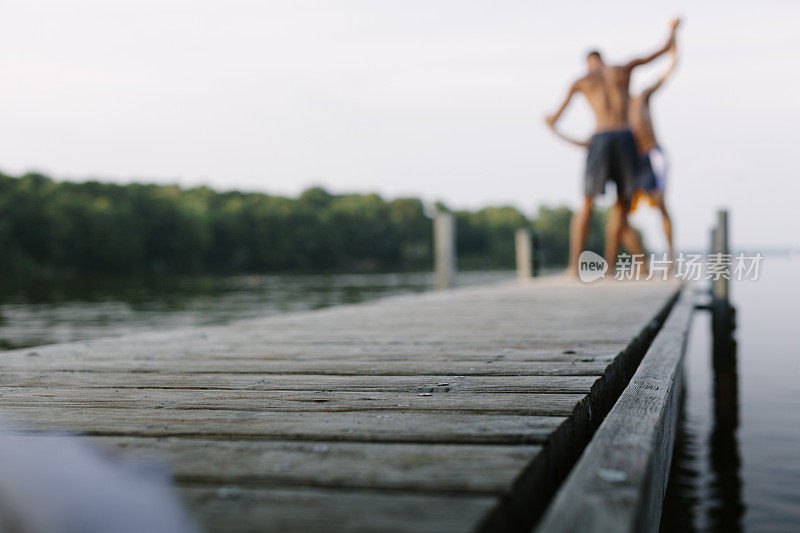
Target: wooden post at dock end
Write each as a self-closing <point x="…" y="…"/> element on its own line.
<point x="524" y="249"/>
<point x="722" y="313"/>
<point x="720" y="287"/>
<point x="444" y="249"/>
<point x="724" y="447"/>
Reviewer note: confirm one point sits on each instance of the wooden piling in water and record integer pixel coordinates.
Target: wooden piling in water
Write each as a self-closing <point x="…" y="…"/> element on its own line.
<point x="720" y="288"/>
<point x="723" y="313"/>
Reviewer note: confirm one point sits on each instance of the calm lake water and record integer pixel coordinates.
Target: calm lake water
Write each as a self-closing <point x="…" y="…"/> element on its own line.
<point x="737" y="465"/>
<point x="42" y="313"/>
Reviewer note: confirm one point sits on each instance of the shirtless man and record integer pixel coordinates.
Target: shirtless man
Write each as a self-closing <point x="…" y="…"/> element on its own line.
<point x="612" y="149"/>
<point x="653" y="163"/>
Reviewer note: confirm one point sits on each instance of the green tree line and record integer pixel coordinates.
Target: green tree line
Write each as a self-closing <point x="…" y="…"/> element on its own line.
<point x="49" y="227"/>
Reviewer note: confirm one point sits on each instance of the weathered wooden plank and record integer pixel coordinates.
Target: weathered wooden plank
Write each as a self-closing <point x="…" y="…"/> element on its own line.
<point x="244" y="509"/>
<point x="369" y="426"/>
<point x="244" y="400"/>
<point x="467" y="468"/>
<point x="620" y="480"/>
<point x="487" y="367"/>
<point x="551" y="334"/>
<point x="275" y="382"/>
<point x="347" y="353"/>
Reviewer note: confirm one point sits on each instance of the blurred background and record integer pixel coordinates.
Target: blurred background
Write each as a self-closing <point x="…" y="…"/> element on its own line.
<point x="437" y="100"/>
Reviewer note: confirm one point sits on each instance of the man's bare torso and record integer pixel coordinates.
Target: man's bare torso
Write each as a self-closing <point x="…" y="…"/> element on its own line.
<point x="606" y="89"/>
<point x="642" y="124"/>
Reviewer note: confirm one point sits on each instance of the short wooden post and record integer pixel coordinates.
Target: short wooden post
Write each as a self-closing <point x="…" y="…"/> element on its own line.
<point x="722" y="313"/>
<point x="524" y="250"/>
<point x="720" y="287"/>
<point x="444" y="249"/>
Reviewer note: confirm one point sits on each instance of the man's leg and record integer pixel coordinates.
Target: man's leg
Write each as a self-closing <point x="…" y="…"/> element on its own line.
<point x="630" y="240"/>
<point x="658" y="198"/>
<point x="627" y="180"/>
<point x="617" y="220"/>
<point x="578" y="230"/>
<point x="633" y="244"/>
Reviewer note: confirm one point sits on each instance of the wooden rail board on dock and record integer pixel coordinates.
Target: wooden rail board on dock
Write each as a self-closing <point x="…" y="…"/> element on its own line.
<point x="620" y="481"/>
<point x="449" y="411"/>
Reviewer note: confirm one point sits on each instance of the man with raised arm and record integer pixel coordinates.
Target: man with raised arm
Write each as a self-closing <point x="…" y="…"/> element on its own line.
<point x="612" y="151"/>
<point x="653" y="162"/>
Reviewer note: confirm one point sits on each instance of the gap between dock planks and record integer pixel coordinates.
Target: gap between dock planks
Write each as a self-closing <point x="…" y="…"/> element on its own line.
<point x="448" y="411"/>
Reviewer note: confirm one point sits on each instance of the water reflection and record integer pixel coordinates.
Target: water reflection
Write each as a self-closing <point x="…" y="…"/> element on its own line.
<point x="704" y="492"/>
<point x="681" y="500"/>
<point x="725" y="461"/>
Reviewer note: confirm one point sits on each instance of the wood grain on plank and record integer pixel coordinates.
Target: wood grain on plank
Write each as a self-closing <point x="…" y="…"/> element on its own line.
<point x="350" y="354"/>
<point x="487" y="367"/>
<point x="385" y="426"/>
<point x="544" y="404"/>
<point x="275" y="382"/>
<point x="245" y="509"/>
<point x="452" y="468"/>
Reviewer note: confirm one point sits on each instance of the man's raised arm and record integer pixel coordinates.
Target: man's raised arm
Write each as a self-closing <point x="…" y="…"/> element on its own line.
<point x="663" y="50"/>
<point x="673" y="52"/>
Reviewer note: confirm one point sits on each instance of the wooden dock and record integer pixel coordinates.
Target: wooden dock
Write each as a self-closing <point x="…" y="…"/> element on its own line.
<point x="457" y="410"/>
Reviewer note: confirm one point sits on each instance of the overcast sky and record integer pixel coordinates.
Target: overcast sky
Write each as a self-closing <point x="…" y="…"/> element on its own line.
<point x="437" y="99"/>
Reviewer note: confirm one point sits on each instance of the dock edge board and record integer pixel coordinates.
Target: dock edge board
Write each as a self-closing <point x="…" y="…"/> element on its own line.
<point x="620" y="480"/>
<point x="537" y="485"/>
